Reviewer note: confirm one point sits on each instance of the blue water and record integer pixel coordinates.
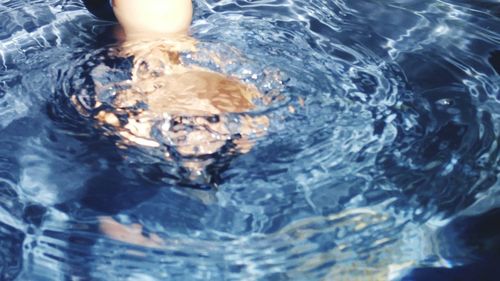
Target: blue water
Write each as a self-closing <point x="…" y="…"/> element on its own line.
<point x="384" y="134"/>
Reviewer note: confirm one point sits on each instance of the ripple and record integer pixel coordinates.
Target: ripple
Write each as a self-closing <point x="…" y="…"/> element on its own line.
<point x="457" y="149"/>
<point x="11" y="253"/>
<point x="382" y="126"/>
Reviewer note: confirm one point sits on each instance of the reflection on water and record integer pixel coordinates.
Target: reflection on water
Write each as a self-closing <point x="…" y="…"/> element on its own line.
<point x="382" y="129"/>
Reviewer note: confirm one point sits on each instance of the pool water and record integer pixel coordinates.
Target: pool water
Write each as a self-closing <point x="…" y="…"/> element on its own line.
<point x="383" y="141"/>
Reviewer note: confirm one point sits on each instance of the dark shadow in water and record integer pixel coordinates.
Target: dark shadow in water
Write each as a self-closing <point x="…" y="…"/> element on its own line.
<point x="494" y="60"/>
<point x="445" y="157"/>
<point x="11" y="252"/>
<point x="484" y="271"/>
<point x="442" y="161"/>
<point x="477" y="240"/>
<point x="473" y="237"/>
<point x="100" y="8"/>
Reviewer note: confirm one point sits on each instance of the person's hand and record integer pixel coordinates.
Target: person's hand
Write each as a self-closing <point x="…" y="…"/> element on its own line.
<point x="131" y="234"/>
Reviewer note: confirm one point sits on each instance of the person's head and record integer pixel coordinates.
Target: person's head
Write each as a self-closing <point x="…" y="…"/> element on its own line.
<point x="146" y="17"/>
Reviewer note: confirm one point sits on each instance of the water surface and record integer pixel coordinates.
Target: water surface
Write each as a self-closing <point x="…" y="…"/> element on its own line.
<point x="384" y="127"/>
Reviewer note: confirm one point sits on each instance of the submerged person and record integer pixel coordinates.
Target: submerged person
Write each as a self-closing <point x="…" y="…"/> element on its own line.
<point x="187" y="112"/>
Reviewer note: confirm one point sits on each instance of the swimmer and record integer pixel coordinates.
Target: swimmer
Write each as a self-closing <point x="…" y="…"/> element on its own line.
<point x="168" y="103"/>
<point x="185" y="112"/>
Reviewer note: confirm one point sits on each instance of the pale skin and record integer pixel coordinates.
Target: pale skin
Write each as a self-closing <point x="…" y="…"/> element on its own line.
<point x="154" y="33"/>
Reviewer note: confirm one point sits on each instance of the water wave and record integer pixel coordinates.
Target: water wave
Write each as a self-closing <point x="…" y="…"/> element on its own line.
<point x="382" y="128"/>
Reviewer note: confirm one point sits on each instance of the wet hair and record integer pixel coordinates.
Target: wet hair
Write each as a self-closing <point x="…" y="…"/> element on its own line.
<point x="102" y="9"/>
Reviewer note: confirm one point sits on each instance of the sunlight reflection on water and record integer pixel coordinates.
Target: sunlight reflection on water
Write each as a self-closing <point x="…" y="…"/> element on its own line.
<point x="383" y="128"/>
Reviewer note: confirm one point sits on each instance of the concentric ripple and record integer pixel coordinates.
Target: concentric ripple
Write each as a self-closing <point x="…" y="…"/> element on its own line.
<point x="383" y="125"/>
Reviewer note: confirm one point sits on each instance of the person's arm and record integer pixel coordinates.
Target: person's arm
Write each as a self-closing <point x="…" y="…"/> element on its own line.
<point x="153" y="18"/>
<point x="141" y="18"/>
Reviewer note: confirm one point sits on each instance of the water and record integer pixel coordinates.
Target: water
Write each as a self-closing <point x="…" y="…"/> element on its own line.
<point x="384" y="128"/>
